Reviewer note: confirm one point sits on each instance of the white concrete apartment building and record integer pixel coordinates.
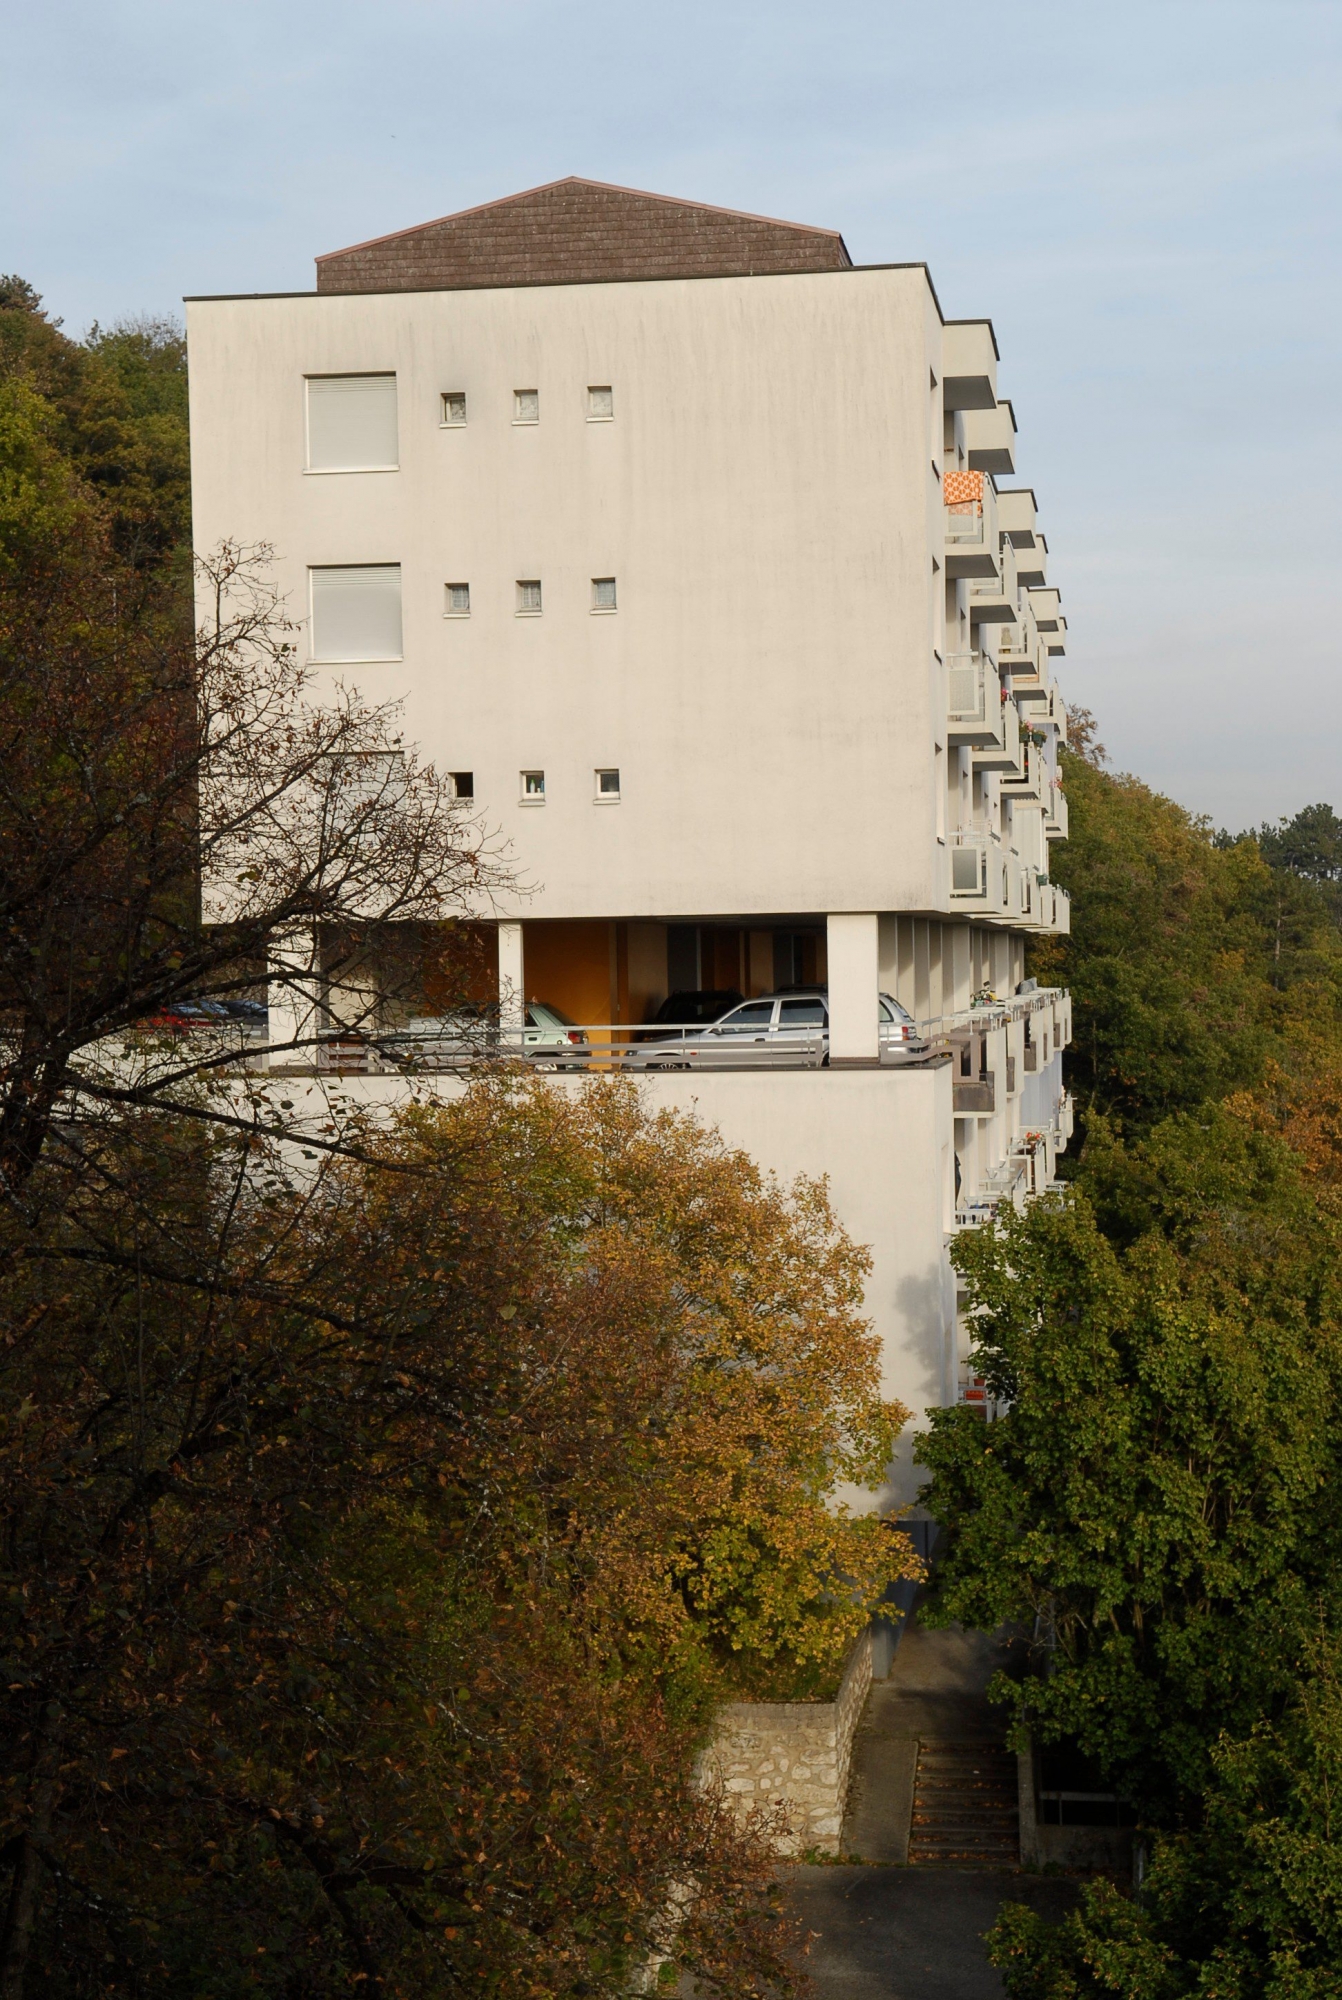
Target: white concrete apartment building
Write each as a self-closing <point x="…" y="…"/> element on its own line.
<point x="692" y="552"/>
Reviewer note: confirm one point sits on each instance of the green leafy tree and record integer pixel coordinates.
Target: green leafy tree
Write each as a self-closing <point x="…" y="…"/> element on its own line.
<point x="116" y="408"/>
<point x="1247" y="1905"/>
<point x="1309" y="845"/>
<point x="1165" y="1478"/>
<point x="1189" y="962"/>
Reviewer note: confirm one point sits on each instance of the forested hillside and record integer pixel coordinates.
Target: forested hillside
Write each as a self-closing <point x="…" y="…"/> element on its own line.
<point x="1160" y="1505"/>
<point x="115" y="407"/>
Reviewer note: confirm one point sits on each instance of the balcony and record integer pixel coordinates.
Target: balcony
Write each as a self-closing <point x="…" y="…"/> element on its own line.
<point x="980" y="871"/>
<point x="1055" y="812"/>
<point x="968" y="365"/>
<point x="1040" y="703"/>
<point x="973" y="1084"/>
<point x="1047" y="606"/>
<point x="973" y="701"/>
<point x="1018" y="648"/>
<point x="971" y="852"/>
<point x="1004" y="752"/>
<point x="993" y="599"/>
<point x="990" y="436"/>
<point x="1031" y="780"/>
<point x="971" y="525"/>
<point x="974" y="1096"/>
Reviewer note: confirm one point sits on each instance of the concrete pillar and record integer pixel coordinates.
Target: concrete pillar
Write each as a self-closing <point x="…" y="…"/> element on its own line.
<point x="293" y="999"/>
<point x="959" y="986"/>
<point x="512" y="991"/>
<point x="922" y="977"/>
<point x="853" y="951"/>
<point x="887" y="932"/>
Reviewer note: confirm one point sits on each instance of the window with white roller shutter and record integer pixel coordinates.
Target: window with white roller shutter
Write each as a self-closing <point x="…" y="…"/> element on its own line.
<point x="356" y="612"/>
<point x="352" y="423"/>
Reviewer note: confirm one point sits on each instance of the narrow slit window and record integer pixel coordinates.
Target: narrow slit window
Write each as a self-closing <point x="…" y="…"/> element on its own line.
<point x="351" y="423"/>
<point x="454" y="407"/>
<point x="533" y="788"/>
<point x="356" y="612"/>
<point x="603" y="593"/>
<point x="458" y="600"/>
<point x="600" y="404"/>
<point x="528" y="594"/>
<point x="526" y="406"/>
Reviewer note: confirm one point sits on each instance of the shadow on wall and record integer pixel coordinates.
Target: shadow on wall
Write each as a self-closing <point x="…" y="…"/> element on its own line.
<point x="902" y="1596"/>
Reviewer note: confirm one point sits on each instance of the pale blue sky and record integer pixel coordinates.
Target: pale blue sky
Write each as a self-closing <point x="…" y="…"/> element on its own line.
<point x="1146" y="199"/>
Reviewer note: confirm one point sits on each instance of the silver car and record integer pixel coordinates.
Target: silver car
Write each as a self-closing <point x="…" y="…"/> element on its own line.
<point x="472" y="1034"/>
<point x="786" y="1030"/>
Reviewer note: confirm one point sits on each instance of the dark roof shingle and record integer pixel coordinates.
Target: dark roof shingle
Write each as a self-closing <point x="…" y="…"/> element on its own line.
<point x="579" y="232"/>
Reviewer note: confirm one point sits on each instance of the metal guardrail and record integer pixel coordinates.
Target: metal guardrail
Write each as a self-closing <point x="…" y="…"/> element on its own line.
<point x="634" y="1049"/>
<point x="628" y="1047"/>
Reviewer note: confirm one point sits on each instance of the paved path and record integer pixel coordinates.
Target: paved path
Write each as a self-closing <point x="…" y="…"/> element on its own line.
<point x="889" y="1933"/>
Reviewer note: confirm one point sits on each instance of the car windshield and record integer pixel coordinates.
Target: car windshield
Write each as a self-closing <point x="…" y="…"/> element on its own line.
<point x="755" y="1014"/>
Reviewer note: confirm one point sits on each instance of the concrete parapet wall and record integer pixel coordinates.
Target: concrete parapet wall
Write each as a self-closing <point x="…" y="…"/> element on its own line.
<point x="1066" y="1847"/>
<point x="794" y="1755"/>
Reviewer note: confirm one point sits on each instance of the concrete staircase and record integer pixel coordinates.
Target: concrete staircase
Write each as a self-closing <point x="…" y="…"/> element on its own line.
<point x="964" y="1806"/>
<point x="932" y="1784"/>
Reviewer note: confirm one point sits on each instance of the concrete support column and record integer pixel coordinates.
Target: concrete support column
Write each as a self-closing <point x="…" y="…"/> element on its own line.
<point x="853" y="949"/>
<point x="512" y="993"/>
<point x="293" y="999"/>
<point x="960" y="981"/>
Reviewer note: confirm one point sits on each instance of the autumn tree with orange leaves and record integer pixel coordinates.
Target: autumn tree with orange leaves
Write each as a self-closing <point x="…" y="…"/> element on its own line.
<point x="375" y="1558"/>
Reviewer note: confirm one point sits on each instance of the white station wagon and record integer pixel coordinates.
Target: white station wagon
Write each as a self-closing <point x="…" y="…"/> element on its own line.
<point x="788" y="1029"/>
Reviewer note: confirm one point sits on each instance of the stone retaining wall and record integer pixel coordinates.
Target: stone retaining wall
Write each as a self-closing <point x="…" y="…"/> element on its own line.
<point x="793" y="1754"/>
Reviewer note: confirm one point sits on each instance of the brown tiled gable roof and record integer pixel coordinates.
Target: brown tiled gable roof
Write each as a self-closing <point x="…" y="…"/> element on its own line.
<point x="579" y="232"/>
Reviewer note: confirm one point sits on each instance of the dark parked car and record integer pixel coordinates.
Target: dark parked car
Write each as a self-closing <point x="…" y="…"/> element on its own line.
<point x="251" y="1013"/>
<point x="690" y="1010"/>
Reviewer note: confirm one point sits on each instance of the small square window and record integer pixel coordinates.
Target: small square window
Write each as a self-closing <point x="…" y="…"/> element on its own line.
<point x="458" y="600"/>
<point x="600" y="404"/>
<point x="528" y="594"/>
<point x="532" y="788"/>
<point x="607" y="787"/>
<point x="463" y="784"/>
<point x="603" y="593"/>
<point x="454" y="406"/>
<point x="526" y="406"/>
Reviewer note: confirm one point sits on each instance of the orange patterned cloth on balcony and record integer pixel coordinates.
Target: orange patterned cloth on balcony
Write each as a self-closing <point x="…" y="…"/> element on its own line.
<point x="962" y="489"/>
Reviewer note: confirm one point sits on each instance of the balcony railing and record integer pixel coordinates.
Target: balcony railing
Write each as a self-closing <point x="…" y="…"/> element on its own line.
<point x="971" y="525"/>
<point x="973" y="700"/>
<point x="630" y="1048"/>
<point x="1055" y="812"/>
<point x="971" y="852"/>
<point x="1003" y="752"/>
<point x="1030" y="780"/>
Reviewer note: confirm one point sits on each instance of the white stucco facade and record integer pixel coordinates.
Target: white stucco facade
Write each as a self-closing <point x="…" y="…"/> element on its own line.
<point x="711" y="592"/>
